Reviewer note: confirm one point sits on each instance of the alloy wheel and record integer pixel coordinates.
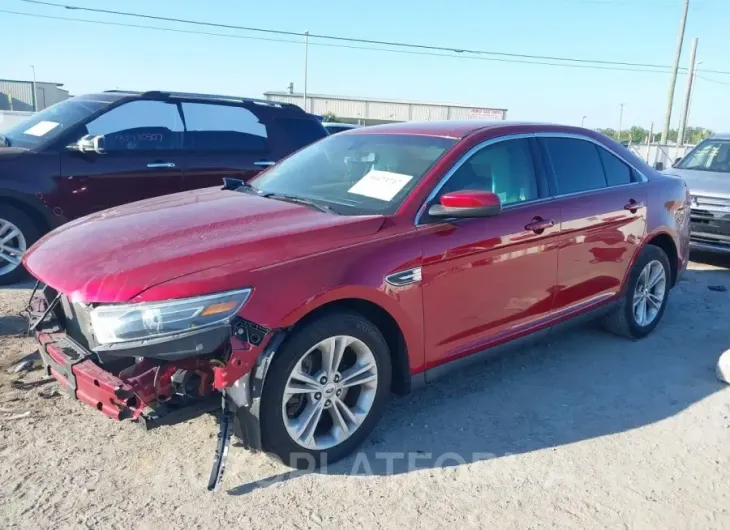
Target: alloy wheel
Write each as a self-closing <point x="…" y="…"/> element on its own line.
<point x="651" y="288"/>
<point x="329" y="392"/>
<point x="12" y="247"/>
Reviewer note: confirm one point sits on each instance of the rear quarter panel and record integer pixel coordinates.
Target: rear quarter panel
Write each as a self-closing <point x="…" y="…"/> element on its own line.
<point x="668" y="213"/>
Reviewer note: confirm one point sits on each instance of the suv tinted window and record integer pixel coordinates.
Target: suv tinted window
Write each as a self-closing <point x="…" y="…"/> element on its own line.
<point x="617" y="172"/>
<point x="505" y="168"/>
<point x="299" y="132"/>
<point x="139" y="125"/>
<point x="223" y="128"/>
<point x="576" y="164"/>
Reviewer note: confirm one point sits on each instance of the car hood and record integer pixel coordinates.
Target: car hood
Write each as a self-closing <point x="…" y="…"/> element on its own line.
<point x="114" y="255"/>
<point x="11" y="152"/>
<point x="704" y="183"/>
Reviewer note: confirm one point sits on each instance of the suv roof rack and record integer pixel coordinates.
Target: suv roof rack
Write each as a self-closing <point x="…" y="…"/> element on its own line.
<point x="209" y="97"/>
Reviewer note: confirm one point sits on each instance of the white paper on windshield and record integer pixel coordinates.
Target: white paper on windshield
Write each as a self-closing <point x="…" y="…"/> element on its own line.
<point x="41" y="128"/>
<point x="382" y="185"/>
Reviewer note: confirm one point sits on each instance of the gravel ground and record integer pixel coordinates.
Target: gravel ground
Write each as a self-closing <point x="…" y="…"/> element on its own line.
<point x="588" y="431"/>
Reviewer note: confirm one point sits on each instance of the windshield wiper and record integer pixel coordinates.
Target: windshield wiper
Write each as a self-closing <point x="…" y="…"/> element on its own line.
<point x="298" y="200"/>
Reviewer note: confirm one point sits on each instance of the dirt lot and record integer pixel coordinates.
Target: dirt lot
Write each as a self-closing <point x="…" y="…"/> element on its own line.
<point x="588" y="431"/>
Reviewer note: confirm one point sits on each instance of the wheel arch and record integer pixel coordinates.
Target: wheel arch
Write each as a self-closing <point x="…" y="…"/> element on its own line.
<point x="384" y="321"/>
<point x="666" y="242"/>
<point x="34" y="208"/>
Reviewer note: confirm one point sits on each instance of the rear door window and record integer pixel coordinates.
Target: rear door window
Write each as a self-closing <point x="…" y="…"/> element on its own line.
<point x="576" y="165"/>
<point x="617" y="172"/>
<point x="215" y="127"/>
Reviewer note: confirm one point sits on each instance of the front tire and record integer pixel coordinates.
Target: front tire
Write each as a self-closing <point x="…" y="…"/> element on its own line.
<point x="645" y="296"/>
<point x="325" y="390"/>
<point x="17" y="233"/>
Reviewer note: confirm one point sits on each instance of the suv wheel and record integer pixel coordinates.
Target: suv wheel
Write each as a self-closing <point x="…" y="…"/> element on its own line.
<point x="325" y="391"/>
<point x="645" y="296"/>
<point x="17" y="234"/>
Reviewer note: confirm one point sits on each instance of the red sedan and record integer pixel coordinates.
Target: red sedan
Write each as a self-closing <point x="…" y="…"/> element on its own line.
<point x="370" y="261"/>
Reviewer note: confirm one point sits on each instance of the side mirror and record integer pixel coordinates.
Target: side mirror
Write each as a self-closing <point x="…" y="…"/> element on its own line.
<point x="467" y="203"/>
<point x="659" y="166"/>
<point x="676" y="161"/>
<point x="89" y="144"/>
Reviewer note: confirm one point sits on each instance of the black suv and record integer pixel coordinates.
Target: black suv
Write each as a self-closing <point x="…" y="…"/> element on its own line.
<point x="96" y="151"/>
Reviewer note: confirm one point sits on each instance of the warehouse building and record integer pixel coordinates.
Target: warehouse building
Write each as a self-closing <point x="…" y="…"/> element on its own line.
<point x="19" y="95"/>
<point x="370" y="111"/>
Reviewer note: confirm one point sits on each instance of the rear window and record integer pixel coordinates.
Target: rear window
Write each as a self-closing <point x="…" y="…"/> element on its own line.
<point x="299" y="132"/>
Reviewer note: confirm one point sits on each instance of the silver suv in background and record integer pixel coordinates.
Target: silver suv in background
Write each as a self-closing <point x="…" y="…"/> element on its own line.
<point x="706" y="170"/>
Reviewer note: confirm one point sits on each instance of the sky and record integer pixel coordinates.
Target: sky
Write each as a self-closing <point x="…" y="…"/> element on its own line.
<point x="90" y="57"/>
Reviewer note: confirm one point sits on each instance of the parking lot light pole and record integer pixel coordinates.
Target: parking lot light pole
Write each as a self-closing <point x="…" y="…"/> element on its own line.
<point x="583" y="121"/>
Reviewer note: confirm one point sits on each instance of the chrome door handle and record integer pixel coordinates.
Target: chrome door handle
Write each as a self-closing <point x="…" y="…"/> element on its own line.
<point x="154" y="165"/>
<point x="538" y="225"/>
<point x="263" y="163"/>
<point x="633" y="206"/>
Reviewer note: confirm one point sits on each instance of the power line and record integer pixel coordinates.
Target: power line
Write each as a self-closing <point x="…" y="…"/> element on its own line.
<point x="329" y="45"/>
<point x="460" y="51"/>
<point x="713" y="80"/>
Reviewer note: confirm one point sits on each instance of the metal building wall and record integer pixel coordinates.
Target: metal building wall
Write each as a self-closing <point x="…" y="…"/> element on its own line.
<point x="21" y="93"/>
<point x="338" y="107"/>
<point x="376" y="110"/>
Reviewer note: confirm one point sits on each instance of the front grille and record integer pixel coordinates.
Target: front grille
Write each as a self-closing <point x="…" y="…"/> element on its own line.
<point x="714" y="204"/>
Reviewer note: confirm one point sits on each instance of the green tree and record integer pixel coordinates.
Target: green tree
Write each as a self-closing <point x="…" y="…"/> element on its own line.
<point x="330" y="117"/>
<point x="608" y="132"/>
<point x="638" y="135"/>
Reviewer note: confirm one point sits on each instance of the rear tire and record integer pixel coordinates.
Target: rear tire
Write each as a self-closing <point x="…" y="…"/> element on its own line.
<point x="628" y="319"/>
<point x="15" y="221"/>
<point x="344" y="415"/>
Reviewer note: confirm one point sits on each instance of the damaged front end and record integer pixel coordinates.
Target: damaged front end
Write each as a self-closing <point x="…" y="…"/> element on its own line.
<point x="158" y="380"/>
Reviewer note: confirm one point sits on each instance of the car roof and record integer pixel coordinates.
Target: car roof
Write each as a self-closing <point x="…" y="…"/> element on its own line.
<point x="114" y="95"/>
<point x="447" y="129"/>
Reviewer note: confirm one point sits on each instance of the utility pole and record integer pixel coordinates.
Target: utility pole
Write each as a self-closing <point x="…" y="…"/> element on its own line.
<point x="673" y="79"/>
<point x="306" y="58"/>
<point x="620" y="121"/>
<point x="692" y="91"/>
<point x="687" y="93"/>
<point x="649" y="140"/>
<point x="35" y="91"/>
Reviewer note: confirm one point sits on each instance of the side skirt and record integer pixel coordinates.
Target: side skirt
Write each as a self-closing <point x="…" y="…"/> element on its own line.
<point x="429" y="376"/>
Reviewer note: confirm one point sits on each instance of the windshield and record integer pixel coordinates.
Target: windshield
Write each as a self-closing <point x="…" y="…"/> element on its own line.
<point x="356" y="174"/>
<point x="710" y="155"/>
<point x="51" y="122"/>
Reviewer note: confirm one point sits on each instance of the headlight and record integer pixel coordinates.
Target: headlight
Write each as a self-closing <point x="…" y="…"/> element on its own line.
<point x="128" y="322"/>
